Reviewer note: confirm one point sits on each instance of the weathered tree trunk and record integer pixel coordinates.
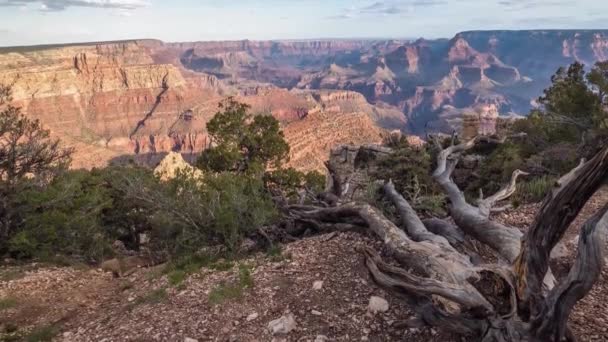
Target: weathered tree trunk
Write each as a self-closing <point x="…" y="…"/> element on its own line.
<point x="446" y="289"/>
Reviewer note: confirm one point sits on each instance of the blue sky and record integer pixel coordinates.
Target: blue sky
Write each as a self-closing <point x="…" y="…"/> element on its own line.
<point x="25" y="22"/>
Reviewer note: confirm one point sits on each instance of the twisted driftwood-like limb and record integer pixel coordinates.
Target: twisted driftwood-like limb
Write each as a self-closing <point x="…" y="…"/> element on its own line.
<point x="477" y="300"/>
<point x="389" y="276"/>
<point x="410" y="221"/>
<point x="486" y="205"/>
<point x="498" y="303"/>
<point x="453" y="234"/>
<point x="553" y="320"/>
<point x="427" y="258"/>
<point x="559" y="209"/>
<point x="473" y="220"/>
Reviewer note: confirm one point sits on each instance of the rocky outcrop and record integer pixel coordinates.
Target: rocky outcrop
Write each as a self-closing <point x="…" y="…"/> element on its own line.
<point x="150" y="97"/>
<point x="312" y="138"/>
<point x="112" y="101"/>
<point x="428" y="80"/>
<point x="174" y="165"/>
<point x="112" y="96"/>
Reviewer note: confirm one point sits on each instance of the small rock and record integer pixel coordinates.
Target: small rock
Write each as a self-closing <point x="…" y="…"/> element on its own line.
<point x="144" y="239"/>
<point x="316" y="313"/>
<point x="317" y="285"/>
<point x="559" y="251"/>
<point x="575" y="240"/>
<point x="252" y="317"/>
<point x="377" y="304"/>
<point x="188" y="339"/>
<point x="321" y="338"/>
<point x="247" y="245"/>
<point x="283" y="325"/>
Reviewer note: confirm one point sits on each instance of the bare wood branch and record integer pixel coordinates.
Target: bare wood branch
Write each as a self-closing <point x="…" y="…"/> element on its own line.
<point x="559" y="209"/>
<point x="410" y="220"/>
<point x="486" y="205"/>
<point x="443" y="228"/>
<point x="504" y="240"/>
<point x="391" y="277"/>
<point x="568" y="176"/>
<point x="425" y="257"/>
<point x="553" y="322"/>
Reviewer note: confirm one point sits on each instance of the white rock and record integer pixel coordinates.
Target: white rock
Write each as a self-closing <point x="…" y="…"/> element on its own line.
<point x="283" y="325"/>
<point x="317" y="285"/>
<point x="252" y="317"/>
<point x="188" y="339"/>
<point x="377" y="304"/>
<point x="560" y="251"/>
<point x="316" y="313"/>
<point x="321" y="338"/>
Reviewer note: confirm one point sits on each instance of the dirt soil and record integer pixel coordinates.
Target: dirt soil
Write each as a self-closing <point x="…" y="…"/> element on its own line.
<point x="80" y="304"/>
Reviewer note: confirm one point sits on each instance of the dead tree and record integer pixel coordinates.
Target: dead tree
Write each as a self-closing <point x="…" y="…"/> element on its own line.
<point x="515" y="299"/>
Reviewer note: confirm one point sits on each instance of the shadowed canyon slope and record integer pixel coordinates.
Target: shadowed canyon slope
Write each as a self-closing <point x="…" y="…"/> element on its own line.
<point x="145" y="97"/>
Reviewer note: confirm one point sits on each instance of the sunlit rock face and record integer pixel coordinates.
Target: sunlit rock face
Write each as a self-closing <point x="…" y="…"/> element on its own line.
<point x="147" y="97"/>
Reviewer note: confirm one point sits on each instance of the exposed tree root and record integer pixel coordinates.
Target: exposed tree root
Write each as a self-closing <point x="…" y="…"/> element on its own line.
<point x="514" y="300"/>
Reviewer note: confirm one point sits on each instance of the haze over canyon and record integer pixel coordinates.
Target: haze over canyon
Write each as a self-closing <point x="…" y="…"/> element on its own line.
<point x="146" y="97"/>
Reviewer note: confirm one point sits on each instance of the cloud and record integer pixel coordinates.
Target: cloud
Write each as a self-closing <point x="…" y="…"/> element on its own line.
<point x="385" y="8"/>
<point x="532" y="4"/>
<point x="60" y="5"/>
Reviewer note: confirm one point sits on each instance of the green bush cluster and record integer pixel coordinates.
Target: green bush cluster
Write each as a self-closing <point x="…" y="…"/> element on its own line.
<point x="570" y="123"/>
<point x="79" y="214"/>
<point x="410" y="169"/>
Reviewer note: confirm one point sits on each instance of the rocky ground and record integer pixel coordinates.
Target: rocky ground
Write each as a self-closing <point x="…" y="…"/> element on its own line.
<point x="317" y="290"/>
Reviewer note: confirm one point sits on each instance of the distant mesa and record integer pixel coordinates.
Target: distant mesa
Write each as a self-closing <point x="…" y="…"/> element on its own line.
<point x="146" y="97"/>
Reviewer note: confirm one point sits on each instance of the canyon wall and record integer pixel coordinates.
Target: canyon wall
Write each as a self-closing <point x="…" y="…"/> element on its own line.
<point x="115" y="100"/>
<point x="148" y="97"/>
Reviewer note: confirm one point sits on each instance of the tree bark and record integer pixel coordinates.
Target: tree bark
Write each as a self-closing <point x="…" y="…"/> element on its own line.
<point x="559" y="209"/>
<point x="502" y="302"/>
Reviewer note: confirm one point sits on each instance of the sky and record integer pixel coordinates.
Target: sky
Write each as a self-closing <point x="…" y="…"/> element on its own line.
<point x="28" y="22"/>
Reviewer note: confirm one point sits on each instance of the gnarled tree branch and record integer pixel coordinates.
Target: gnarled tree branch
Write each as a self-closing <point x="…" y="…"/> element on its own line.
<point x="559" y="209"/>
<point x="486" y="205"/>
<point x="472" y="220"/>
<point x="553" y="321"/>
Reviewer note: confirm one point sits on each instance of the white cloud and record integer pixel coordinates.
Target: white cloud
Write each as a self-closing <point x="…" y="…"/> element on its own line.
<point x="60" y="5"/>
<point x="386" y="8"/>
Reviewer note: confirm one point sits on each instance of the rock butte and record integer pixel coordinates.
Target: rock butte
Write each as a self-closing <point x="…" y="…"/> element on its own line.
<point x="142" y="99"/>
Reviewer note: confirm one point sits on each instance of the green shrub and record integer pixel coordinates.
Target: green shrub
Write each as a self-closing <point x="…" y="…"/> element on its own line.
<point x="231" y="291"/>
<point x="534" y="190"/>
<point x="176" y="277"/>
<point x="224" y="292"/>
<point x="129" y="215"/>
<point x="569" y="123"/>
<point x="245" y="277"/>
<point x="154" y="297"/>
<point x="62" y="218"/>
<point x="242" y="141"/>
<point x="289" y="182"/>
<point x="275" y="253"/>
<point x="8" y="303"/>
<point x="410" y="169"/>
<point x="43" y="334"/>
<point x="219" y="211"/>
